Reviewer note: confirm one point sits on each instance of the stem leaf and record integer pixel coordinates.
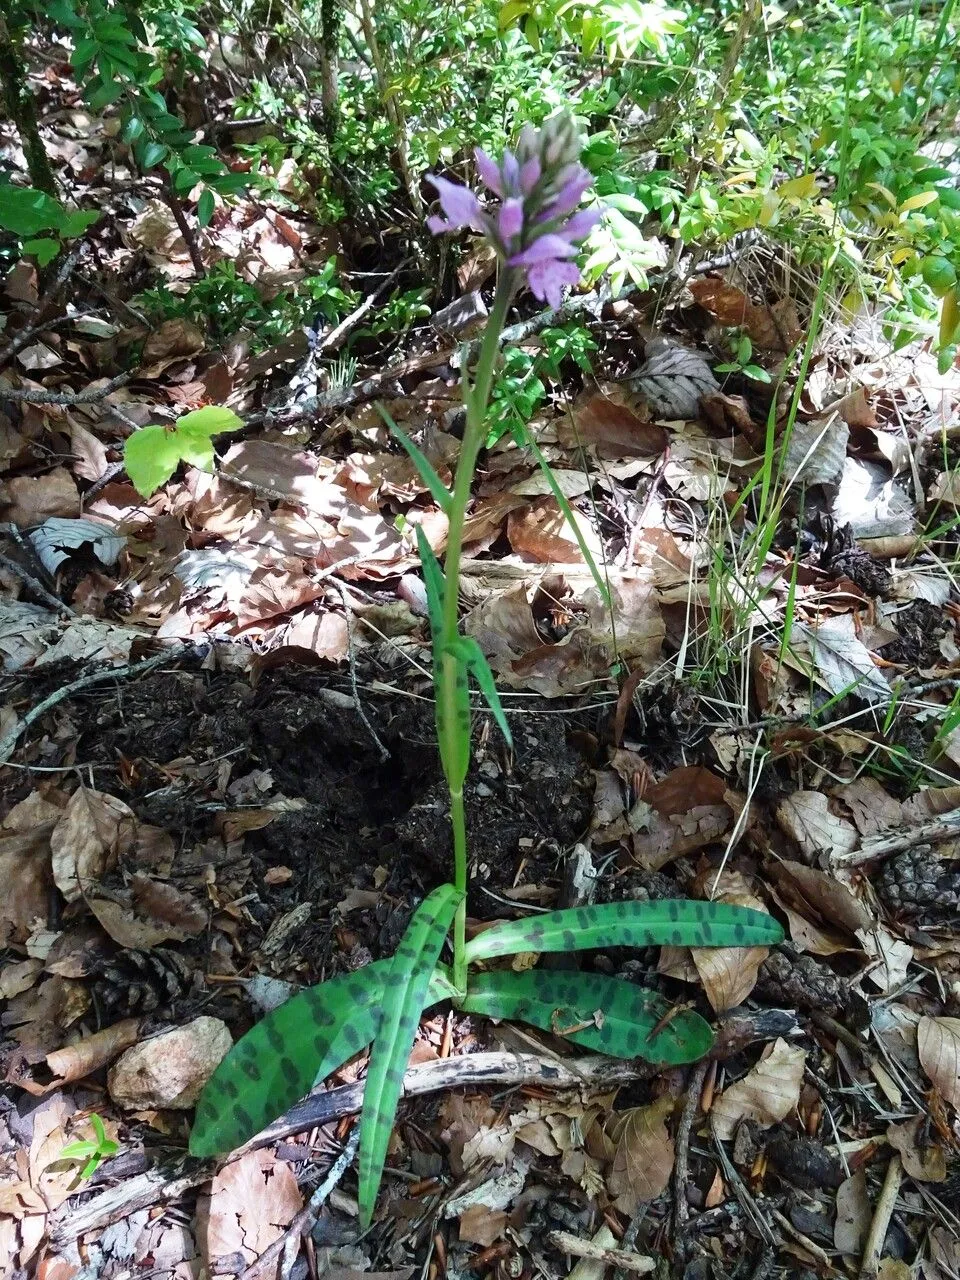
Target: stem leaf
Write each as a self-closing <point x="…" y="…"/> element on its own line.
<point x="434" y="583"/>
<point x="439" y="491"/>
<point x="607" y="1015"/>
<point x="468" y="651"/>
<point x="674" y="922"/>
<point x="404" y="997"/>
<point x="280" y="1059"/>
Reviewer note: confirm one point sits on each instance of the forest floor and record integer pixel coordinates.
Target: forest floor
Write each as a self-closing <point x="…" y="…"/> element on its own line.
<point x="221" y="780"/>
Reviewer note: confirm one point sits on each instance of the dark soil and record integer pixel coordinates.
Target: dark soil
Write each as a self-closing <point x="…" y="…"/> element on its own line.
<point x="170" y="743"/>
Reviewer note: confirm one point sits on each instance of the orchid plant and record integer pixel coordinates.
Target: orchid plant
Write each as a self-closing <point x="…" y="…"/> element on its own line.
<point x="536" y="228"/>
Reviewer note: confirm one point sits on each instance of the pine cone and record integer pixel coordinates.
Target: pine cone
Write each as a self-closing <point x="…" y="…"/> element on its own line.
<point x="637" y="885"/>
<point x="135" y="981"/>
<point x="790" y="979"/>
<point x="670" y="714"/>
<point x="918" y="885"/>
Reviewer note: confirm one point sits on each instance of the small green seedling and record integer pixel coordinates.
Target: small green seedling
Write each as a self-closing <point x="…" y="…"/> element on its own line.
<point x="152" y="454"/>
<point x="93" y="1150"/>
<point x="742" y="360"/>
<point x="299" y="1044"/>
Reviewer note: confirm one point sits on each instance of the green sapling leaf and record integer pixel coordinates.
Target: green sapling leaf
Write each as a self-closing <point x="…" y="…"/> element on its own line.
<point x="151" y="456"/>
<point x="196" y="447"/>
<point x="673" y="922"/>
<point x="407" y="985"/>
<point x="210" y="420"/>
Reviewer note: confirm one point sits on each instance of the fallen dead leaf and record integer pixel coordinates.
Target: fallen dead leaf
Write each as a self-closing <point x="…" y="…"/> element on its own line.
<point x="176" y="339"/>
<point x="25" y="862"/>
<point x="252" y="1202"/>
<point x="808" y="818"/>
<point x="854" y="1215"/>
<point x="84" y="1056"/>
<point x="18" y="976"/>
<point x="828" y="898"/>
<point x="29" y="500"/>
<point x="891" y="956"/>
<point x="49" y="1175"/>
<point x="603" y="419"/>
<point x="40" y="1018"/>
<point x="767" y="1094"/>
<point x="839" y="659"/>
<point x="772" y="328"/>
<point x="540" y="532"/>
<point x="482" y="1226"/>
<point x="88" y="838"/>
<point x="638" y="1150"/>
<point x="938" y="1044"/>
<point x="925" y="1161"/>
<point x="171" y="1069"/>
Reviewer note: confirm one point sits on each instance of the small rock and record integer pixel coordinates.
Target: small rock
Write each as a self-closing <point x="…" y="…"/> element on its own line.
<point x="171" y="1069"/>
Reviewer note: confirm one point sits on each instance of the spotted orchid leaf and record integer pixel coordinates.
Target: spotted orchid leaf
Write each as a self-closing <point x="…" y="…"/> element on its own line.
<point x="280" y="1059"/>
<point x="404" y="996"/>
<point x="438" y="490"/>
<point x="604" y="1014"/>
<point x="674" y="922"/>
<point x="468" y="652"/>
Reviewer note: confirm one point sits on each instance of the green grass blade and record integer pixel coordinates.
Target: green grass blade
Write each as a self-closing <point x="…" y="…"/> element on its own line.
<point x="279" y="1060"/>
<point x="674" y="922"/>
<point x="407" y="986"/>
<point x="568" y="514"/>
<point x="469" y="652"/>
<point x="603" y="1014"/>
<point x="439" y="491"/>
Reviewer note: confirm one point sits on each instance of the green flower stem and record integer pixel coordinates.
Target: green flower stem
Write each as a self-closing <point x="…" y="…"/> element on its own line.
<point x="477" y="399"/>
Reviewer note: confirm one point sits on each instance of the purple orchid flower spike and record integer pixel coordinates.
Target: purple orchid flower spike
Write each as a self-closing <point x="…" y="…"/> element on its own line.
<point x="537" y="229"/>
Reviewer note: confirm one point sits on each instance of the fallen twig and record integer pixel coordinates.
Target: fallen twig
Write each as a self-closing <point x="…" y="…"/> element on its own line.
<point x="623" y="1258"/>
<point x="155" y="1187"/>
<point x="180" y="218"/>
<point x="596" y="1073"/>
<point x="456" y="1073"/>
<point x="34" y="586"/>
<point x="943" y="827"/>
<point x="873" y="1249"/>
<point x="41" y="395"/>
<point x="681" y="1205"/>
<point x="12" y="736"/>
<point x="336" y="335"/>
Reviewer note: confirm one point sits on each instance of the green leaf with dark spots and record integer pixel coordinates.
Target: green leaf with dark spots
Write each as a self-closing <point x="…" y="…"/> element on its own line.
<point x="603" y="1014"/>
<point x="469" y="652"/>
<point x="404" y="998"/>
<point x="672" y="922"/>
<point x="280" y="1059"/>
